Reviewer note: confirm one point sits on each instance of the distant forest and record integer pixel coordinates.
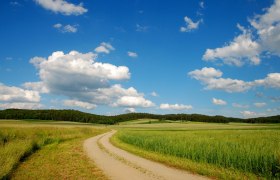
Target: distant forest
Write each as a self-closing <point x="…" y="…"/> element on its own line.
<point x="78" y="116"/>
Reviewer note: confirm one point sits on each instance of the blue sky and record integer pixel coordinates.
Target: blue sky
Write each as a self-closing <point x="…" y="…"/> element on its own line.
<point x="111" y="57"/>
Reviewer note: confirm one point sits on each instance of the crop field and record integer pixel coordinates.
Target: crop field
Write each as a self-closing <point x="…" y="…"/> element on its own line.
<point x="235" y="151"/>
<point x="29" y="150"/>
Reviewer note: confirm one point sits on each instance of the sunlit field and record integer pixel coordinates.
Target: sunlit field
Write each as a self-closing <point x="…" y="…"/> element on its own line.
<point x="218" y="150"/>
<point x="49" y="150"/>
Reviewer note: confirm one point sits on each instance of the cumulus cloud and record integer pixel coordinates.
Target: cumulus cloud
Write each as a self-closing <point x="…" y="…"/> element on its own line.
<point x="272" y="80"/>
<point x="219" y="102"/>
<point x="104" y="48"/>
<point x="36" y="86"/>
<point x="236" y="105"/>
<point x="132" y="54"/>
<point x="76" y="71"/>
<point x="260" y="104"/>
<point x="251" y="114"/>
<point x="75" y="103"/>
<point x="21" y="105"/>
<point x="234" y="53"/>
<point x="62" y="6"/>
<point x="15" y="94"/>
<point x="78" y="76"/>
<point x="244" y="48"/>
<point x="133" y="101"/>
<point x="14" y="97"/>
<point x="267" y="26"/>
<point x="205" y="73"/>
<point x="66" y="28"/>
<point x="190" y="24"/>
<point x="212" y="79"/>
<point x="175" y="107"/>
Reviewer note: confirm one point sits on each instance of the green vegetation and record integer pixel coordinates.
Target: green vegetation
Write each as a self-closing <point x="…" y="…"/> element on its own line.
<point x="47" y="152"/>
<point x="77" y="116"/>
<point x="234" y="151"/>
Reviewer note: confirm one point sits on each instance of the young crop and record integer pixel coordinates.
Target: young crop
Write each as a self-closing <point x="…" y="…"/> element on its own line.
<point x="253" y="151"/>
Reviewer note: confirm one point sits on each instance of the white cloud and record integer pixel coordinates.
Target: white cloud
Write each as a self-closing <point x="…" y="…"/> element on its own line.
<point x="133" y="101"/>
<point x="129" y="110"/>
<point x="190" y="25"/>
<point x="15" y="94"/>
<point x="36" y="86"/>
<point x="132" y="54"/>
<point x="248" y="114"/>
<point x="67" y="28"/>
<point x="104" y="48"/>
<point x="14" y="97"/>
<point x="62" y="6"/>
<point x="77" y="69"/>
<point x="140" y="28"/>
<point x="75" y="103"/>
<point x="251" y="114"/>
<point x="266" y="30"/>
<point x="272" y="80"/>
<point x="78" y="76"/>
<point x="154" y="94"/>
<point x="242" y="47"/>
<point x="205" y="73"/>
<point x="227" y="84"/>
<point x="219" y="102"/>
<point x="239" y="105"/>
<point x="212" y="79"/>
<point x="175" y="107"/>
<point x="57" y="26"/>
<point x="260" y="104"/>
<point x="21" y="105"/>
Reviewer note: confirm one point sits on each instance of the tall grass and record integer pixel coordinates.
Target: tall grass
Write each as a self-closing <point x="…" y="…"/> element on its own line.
<point x="253" y="151"/>
<point x="16" y="144"/>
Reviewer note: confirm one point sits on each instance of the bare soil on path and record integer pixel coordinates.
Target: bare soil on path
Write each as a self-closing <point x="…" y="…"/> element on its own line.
<point x="118" y="164"/>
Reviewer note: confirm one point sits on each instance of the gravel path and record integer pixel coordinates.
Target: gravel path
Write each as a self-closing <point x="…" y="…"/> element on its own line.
<point x="118" y="164"/>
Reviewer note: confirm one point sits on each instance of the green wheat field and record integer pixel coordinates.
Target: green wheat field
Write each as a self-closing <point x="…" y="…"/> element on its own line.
<point x="225" y="151"/>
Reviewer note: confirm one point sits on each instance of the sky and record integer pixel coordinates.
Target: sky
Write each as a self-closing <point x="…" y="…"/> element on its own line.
<point x="111" y="57"/>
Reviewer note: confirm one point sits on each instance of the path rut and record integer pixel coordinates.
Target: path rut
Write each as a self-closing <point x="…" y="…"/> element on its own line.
<point x="118" y="164"/>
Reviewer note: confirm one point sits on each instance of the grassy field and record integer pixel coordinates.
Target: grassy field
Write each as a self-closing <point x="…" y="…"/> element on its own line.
<point x="33" y="149"/>
<point x="224" y="151"/>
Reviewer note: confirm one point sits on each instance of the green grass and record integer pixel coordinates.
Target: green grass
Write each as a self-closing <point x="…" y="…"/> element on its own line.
<point x="45" y="151"/>
<point x="221" y="152"/>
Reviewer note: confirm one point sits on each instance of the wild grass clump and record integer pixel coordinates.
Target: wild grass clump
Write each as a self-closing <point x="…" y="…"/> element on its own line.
<point x="252" y="151"/>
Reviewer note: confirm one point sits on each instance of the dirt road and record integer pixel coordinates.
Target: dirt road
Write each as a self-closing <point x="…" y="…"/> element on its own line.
<point x="118" y="164"/>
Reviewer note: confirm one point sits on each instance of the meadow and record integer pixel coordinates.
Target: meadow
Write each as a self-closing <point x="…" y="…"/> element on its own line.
<point x="32" y="149"/>
<point x="224" y="151"/>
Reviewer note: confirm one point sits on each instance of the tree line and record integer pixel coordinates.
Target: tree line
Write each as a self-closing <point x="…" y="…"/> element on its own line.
<point x="78" y="116"/>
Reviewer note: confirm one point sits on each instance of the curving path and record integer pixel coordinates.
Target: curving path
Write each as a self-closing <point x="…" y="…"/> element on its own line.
<point x="118" y="164"/>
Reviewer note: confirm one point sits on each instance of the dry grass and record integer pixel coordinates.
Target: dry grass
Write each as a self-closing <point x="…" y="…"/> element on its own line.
<point x="46" y="151"/>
